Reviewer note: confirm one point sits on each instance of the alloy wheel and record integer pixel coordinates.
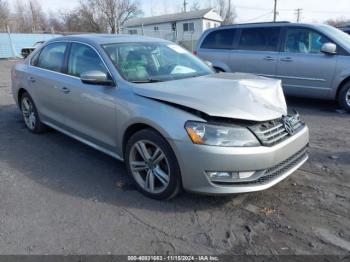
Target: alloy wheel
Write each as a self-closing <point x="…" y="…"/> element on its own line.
<point x="347" y="98"/>
<point x="149" y="166"/>
<point x="28" y="113"/>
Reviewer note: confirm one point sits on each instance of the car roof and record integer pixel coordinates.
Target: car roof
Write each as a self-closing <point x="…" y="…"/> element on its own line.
<point x="267" y="24"/>
<point x="100" y="39"/>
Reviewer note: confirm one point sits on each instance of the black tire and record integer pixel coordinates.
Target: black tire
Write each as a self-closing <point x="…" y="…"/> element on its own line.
<point x="174" y="182"/>
<point x="344" y="97"/>
<point x="38" y="127"/>
<point x="219" y="70"/>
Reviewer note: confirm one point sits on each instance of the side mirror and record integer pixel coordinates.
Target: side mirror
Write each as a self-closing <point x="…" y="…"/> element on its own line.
<point x="96" y="78"/>
<point x="329" y="49"/>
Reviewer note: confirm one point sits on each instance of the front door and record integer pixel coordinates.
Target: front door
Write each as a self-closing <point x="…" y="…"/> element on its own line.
<point x="90" y="109"/>
<point x="303" y="68"/>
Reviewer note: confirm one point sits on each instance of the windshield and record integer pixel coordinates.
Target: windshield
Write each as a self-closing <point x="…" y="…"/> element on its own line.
<point x="337" y="34"/>
<point x="154" y="62"/>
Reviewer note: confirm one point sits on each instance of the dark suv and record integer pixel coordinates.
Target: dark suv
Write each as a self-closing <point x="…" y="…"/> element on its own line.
<point x="312" y="60"/>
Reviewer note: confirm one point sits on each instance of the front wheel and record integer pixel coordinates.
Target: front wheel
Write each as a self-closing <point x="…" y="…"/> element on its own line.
<point x="344" y="97"/>
<point x="153" y="165"/>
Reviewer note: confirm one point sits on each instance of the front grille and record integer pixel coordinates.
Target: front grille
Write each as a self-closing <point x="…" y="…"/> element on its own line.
<point x="273" y="132"/>
<point x="265" y="176"/>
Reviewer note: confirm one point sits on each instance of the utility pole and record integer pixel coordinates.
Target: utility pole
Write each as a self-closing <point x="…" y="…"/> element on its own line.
<point x="298" y="14"/>
<point x="275" y="11"/>
<point x="185" y="6"/>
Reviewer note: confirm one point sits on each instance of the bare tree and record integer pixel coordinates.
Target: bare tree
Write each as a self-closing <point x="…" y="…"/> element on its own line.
<point x="83" y="19"/>
<point x="195" y="6"/>
<point x="227" y="11"/>
<point x="21" y="19"/>
<point x="116" y="12"/>
<point x="28" y="17"/>
<point x="55" y="22"/>
<point x="4" y="14"/>
<point x="39" y="20"/>
<point x="339" y="22"/>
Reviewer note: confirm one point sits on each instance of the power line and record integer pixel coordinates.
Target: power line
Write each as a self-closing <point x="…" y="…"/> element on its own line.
<point x="291" y="10"/>
<point x="258" y="17"/>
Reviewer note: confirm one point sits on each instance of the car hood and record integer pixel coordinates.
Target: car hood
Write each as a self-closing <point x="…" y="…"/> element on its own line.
<point x="238" y="96"/>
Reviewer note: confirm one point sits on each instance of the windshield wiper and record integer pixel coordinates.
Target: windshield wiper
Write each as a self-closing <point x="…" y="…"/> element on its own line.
<point x="148" y="80"/>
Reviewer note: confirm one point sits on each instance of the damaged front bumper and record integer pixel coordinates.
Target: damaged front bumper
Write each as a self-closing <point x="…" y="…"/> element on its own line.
<point x="267" y="165"/>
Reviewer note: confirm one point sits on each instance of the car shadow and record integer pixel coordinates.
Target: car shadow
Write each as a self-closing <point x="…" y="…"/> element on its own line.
<point x="67" y="166"/>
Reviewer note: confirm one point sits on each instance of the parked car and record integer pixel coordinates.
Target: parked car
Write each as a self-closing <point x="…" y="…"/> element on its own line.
<point x="347" y="30"/>
<point x="175" y="123"/>
<point x="27" y="50"/>
<point x="311" y="60"/>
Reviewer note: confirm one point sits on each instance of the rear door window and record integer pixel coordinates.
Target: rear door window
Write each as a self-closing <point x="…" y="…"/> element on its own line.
<point x="219" y="39"/>
<point x="259" y="39"/>
<point x="52" y="57"/>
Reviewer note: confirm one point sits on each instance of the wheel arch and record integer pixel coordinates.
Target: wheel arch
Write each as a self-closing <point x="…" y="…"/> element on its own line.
<point x="218" y="69"/>
<point x="221" y="65"/>
<point x="20" y="93"/>
<point x="130" y="130"/>
<point x="340" y="86"/>
<point x="140" y="125"/>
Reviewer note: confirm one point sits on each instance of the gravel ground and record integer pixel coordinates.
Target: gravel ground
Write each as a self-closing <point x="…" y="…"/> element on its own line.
<point x="58" y="196"/>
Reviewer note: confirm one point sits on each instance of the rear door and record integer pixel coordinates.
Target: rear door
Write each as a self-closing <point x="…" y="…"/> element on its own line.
<point x="45" y="78"/>
<point x="217" y="47"/>
<point x="303" y="68"/>
<point x="256" y="51"/>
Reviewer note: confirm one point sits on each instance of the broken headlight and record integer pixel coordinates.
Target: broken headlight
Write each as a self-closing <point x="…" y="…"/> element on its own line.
<point x="220" y="135"/>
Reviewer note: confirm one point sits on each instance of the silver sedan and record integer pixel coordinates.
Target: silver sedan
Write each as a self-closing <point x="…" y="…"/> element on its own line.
<point x="175" y="123"/>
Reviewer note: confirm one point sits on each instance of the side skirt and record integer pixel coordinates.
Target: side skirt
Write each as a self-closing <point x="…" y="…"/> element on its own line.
<point x="84" y="141"/>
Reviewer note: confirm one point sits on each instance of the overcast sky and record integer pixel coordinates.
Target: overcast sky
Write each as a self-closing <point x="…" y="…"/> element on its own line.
<point x="247" y="10"/>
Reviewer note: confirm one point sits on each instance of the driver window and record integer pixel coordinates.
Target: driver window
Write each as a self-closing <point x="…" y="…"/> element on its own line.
<point x="305" y="41"/>
<point x="83" y="58"/>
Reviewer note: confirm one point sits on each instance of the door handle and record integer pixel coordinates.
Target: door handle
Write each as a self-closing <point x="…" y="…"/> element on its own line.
<point x="287" y="59"/>
<point x="269" y="58"/>
<point x="31" y="79"/>
<point x="65" y="90"/>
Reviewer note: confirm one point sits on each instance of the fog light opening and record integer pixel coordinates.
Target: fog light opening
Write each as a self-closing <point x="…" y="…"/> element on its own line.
<point x="222" y="176"/>
<point x="228" y="176"/>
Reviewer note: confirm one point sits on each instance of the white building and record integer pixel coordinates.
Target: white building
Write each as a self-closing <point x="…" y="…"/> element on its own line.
<point x="181" y="27"/>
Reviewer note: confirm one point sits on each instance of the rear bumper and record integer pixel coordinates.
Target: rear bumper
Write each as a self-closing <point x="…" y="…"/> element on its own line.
<point x="272" y="163"/>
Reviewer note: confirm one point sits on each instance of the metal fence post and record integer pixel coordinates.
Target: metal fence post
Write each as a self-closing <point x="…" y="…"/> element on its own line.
<point x="11" y="43"/>
<point x="192" y="45"/>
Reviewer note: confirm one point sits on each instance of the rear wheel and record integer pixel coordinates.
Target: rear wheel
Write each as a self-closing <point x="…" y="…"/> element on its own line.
<point x="344" y="97"/>
<point x="152" y="164"/>
<point x="30" y="114"/>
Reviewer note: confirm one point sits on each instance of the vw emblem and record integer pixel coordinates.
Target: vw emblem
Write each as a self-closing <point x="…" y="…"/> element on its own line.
<point x="288" y="125"/>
